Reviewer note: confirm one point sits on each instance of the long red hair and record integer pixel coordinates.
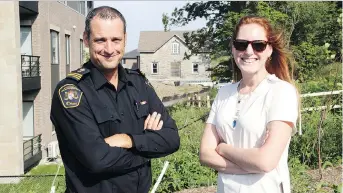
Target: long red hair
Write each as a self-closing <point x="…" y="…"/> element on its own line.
<point x="280" y="63"/>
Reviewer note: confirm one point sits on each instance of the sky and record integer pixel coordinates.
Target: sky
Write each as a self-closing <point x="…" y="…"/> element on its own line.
<point x="147" y="16"/>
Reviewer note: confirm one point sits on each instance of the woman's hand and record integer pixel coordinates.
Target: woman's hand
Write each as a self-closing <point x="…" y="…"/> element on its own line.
<point x="220" y="146"/>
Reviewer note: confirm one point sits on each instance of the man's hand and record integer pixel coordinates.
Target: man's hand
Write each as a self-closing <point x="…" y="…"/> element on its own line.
<point x="153" y="122"/>
<point x="119" y="140"/>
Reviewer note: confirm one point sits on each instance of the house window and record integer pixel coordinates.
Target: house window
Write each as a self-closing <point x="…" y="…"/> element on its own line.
<point x="67" y="39"/>
<point x="175" y="69"/>
<point x="195" y="68"/>
<point x="55" y="66"/>
<point x="154" y="68"/>
<point x="175" y="48"/>
<point x="81" y="52"/>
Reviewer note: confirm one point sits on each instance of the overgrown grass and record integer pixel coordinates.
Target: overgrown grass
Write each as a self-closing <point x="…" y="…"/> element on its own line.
<point x="185" y="171"/>
<point x="329" y="77"/>
<point x="35" y="181"/>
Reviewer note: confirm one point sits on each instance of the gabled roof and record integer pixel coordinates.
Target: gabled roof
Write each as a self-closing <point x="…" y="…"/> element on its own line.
<point x="151" y="41"/>
<point x="132" y="54"/>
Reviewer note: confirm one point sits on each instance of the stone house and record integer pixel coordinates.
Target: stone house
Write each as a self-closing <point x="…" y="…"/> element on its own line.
<point x="131" y="59"/>
<point x="161" y="58"/>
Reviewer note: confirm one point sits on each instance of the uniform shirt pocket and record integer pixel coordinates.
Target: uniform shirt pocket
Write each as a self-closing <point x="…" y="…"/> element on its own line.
<point x="106" y="120"/>
<point x="141" y="109"/>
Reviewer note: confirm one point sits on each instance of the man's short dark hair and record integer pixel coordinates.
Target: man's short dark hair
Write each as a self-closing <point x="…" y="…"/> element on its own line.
<point x="103" y="12"/>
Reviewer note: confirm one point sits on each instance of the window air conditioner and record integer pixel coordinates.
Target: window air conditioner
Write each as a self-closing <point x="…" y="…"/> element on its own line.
<point x="53" y="149"/>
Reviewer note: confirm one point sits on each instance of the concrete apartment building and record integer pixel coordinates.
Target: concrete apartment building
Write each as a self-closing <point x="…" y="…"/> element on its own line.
<point x="41" y="42"/>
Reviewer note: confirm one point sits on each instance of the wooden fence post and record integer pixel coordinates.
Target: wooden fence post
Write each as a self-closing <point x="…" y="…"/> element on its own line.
<point x="194" y="98"/>
<point x="208" y="101"/>
<point x="189" y="101"/>
<point x="199" y="101"/>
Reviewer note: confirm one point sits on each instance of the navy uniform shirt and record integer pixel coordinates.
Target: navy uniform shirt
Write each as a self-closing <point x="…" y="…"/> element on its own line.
<point x="86" y="108"/>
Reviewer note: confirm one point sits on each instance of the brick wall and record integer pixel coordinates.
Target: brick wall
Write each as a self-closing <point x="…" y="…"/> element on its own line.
<point x="58" y="17"/>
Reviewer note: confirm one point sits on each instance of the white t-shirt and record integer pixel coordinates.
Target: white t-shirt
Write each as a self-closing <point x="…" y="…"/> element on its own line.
<point x="273" y="99"/>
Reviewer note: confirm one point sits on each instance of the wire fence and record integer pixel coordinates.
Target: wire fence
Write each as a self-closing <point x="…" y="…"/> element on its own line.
<point x="43" y="183"/>
<point x="32" y="183"/>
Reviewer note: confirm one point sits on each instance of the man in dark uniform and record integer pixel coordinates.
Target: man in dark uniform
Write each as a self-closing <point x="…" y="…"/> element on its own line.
<point x="109" y="120"/>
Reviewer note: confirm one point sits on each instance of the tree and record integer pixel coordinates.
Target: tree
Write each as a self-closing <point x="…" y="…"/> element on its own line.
<point x="165" y="21"/>
<point x="312" y="22"/>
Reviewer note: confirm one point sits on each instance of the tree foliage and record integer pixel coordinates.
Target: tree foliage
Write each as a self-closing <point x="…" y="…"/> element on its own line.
<point x="307" y="27"/>
<point x="165" y="21"/>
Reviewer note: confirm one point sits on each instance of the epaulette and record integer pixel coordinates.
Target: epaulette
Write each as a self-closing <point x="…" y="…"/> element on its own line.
<point x="78" y="74"/>
<point x="135" y="71"/>
<point x="139" y="72"/>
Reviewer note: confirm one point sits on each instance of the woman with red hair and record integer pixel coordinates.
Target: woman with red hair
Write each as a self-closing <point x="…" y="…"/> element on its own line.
<point x="250" y="124"/>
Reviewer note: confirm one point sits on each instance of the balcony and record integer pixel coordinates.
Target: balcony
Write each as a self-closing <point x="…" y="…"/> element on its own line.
<point x="28" y="8"/>
<point x="32" y="151"/>
<point x="30" y="73"/>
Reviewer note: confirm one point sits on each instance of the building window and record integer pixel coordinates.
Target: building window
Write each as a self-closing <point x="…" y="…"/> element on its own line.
<point x="67" y="38"/>
<point x="25" y="40"/>
<point x="79" y="6"/>
<point x="175" y="69"/>
<point x="82" y="7"/>
<point x="55" y="67"/>
<point x="195" y="68"/>
<point x="175" y="48"/>
<point x="154" y="68"/>
<point x="89" y="6"/>
<point x="54" y="47"/>
<point x="81" y="52"/>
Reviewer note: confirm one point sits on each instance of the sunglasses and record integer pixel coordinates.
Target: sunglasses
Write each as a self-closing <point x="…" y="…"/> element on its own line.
<point x="257" y="45"/>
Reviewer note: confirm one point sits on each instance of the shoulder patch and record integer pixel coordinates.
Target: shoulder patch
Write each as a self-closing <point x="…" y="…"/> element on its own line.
<point x="138" y="72"/>
<point x="78" y="74"/>
<point x="70" y="96"/>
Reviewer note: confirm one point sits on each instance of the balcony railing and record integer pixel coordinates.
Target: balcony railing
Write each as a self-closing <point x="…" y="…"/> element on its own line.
<point x="32" y="151"/>
<point x="30" y="66"/>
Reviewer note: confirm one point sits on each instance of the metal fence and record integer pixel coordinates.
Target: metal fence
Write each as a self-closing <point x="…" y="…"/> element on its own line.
<point x="30" y="66"/>
<point x="32" y="151"/>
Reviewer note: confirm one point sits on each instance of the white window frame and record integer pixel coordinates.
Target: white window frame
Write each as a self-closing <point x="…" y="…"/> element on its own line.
<point x="152" y="67"/>
<point x="195" y="72"/>
<point x="175" y="47"/>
